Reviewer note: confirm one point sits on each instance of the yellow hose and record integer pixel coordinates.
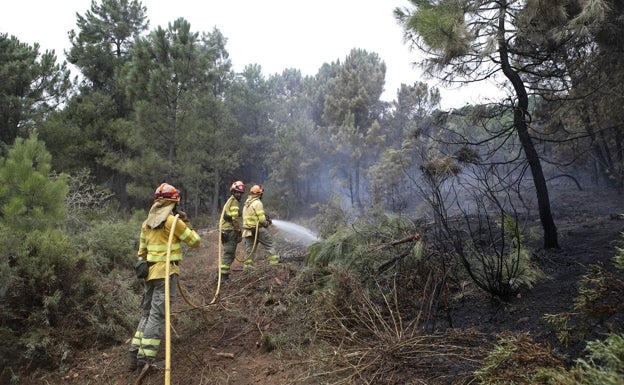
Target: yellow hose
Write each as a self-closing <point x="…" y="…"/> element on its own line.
<point x="185" y="297"/>
<point x="220" y="248"/>
<point x="220" y="251"/>
<point x="214" y="299"/>
<point x="168" y="305"/>
<point x="253" y="247"/>
<point x="255" y="242"/>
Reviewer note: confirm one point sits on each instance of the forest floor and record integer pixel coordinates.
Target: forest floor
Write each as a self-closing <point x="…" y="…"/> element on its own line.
<point x="232" y="346"/>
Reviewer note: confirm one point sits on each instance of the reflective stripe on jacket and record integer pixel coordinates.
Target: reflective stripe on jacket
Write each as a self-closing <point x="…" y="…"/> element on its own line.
<point x="253" y="212"/>
<point x="153" y="245"/>
<point x="232" y="209"/>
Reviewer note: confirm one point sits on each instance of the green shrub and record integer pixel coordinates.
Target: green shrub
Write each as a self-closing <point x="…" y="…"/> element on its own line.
<point x="600" y="296"/>
<point x="496" y="258"/>
<point x="368" y="244"/>
<point x="53" y="296"/>
<point x="113" y="243"/>
<point x="604" y="365"/>
<point x="515" y="360"/>
<point x="55" y="301"/>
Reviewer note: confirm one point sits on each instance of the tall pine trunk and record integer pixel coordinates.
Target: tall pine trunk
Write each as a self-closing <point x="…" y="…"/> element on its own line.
<point x="521" y="126"/>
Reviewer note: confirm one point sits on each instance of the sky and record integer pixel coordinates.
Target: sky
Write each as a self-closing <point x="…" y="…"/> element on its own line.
<point x="276" y="34"/>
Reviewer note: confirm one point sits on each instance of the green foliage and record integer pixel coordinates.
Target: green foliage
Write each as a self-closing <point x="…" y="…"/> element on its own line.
<point x="498" y="261"/>
<point x="180" y="131"/>
<point x="517" y="360"/>
<point x="523" y="272"/>
<point x="56" y="301"/>
<point x="32" y="84"/>
<point x="600" y="296"/>
<point x="441" y="27"/>
<point x="331" y="217"/>
<point x="99" y="227"/>
<point x="368" y="246"/>
<point x="383" y="254"/>
<point x="351" y="110"/>
<point x="618" y="260"/>
<point x="113" y="243"/>
<point x="105" y="34"/>
<point x="53" y="299"/>
<point x="388" y="178"/>
<point x="438" y="169"/>
<point x="29" y="199"/>
<point x="340" y="246"/>
<point x="604" y="365"/>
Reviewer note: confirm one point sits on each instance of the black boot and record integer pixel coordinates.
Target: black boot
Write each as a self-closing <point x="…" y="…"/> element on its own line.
<point x="132" y="360"/>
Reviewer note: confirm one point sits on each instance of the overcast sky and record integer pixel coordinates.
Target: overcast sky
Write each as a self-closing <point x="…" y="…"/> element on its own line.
<point x="276" y="34"/>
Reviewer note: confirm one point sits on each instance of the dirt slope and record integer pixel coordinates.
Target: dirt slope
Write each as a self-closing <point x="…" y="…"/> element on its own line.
<point x="227" y="342"/>
<point x="227" y="347"/>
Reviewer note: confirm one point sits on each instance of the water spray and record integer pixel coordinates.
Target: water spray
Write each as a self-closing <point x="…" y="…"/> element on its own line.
<point x="296" y="233"/>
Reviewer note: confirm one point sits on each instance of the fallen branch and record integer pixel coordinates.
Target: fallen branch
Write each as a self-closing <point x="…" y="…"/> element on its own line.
<point x="381" y="268"/>
<point x="411" y="238"/>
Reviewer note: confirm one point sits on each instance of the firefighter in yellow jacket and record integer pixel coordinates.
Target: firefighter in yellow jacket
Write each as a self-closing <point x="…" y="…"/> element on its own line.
<point x="230" y="228"/>
<point x="255" y="223"/>
<point x="153" y="249"/>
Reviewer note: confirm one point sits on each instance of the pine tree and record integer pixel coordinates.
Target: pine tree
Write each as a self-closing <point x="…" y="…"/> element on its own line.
<point x="29" y="198"/>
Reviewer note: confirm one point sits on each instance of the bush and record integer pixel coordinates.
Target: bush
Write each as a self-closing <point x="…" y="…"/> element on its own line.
<point x="112" y="242"/>
<point x="57" y="301"/>
<point x="53" y="298"/>
<point x="604" y="365"/>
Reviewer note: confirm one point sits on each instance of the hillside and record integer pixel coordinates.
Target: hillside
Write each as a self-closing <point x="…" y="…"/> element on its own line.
<point x="246" y="336"/>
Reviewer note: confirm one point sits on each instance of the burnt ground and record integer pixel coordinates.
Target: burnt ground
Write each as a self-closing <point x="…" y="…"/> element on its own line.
<point x="231" y="341"/>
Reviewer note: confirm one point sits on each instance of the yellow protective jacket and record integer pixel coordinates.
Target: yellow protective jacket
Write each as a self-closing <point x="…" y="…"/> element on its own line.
<point x="154" y="240"/>
<point x="253" y="215"/>
<point x="232" y="209"/>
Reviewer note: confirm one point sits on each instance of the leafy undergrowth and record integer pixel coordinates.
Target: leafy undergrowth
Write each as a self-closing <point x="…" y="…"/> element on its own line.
<point x="290" y="325"/>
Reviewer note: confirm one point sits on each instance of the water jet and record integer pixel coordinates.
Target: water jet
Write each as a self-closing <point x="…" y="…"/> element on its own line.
<point x="296" y="233"/>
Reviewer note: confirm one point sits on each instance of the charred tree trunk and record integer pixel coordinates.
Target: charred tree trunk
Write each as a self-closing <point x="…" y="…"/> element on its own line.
<point x="521" y="126"/>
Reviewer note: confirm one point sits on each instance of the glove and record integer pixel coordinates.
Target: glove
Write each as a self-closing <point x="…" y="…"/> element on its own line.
<point x="184" y="218"/>
<point x="141" y="268"/>
<point x="227" y="218"/>
<point x="265" y="223"/>
<point x="268" y="220"/>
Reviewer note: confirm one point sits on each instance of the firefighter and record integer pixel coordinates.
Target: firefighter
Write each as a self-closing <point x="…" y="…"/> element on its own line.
<point x="153" y="247"/>
<point x="255" y="223"/>
<point x="231" y="228"/>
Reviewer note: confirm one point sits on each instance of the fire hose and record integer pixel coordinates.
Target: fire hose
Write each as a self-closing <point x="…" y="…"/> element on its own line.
<point x="216" y="294"/>
<point x="220" y="251"/>
<point x="168" y="305"/>
<point x="167" y="312"/>
<point x="168" y="300"/>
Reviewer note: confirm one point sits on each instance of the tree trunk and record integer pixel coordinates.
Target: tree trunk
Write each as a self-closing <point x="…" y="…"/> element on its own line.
<point x="521" y="126"/>
<point x="358" y="200"/>
<point x="119" y="182"/>
<point x="543" y="200"/>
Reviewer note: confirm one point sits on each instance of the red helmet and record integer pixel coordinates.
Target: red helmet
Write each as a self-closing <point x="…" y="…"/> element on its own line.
<point x="238" y="186"/>
<point x="256" y="189"/>
<point x="167" y="192"/>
